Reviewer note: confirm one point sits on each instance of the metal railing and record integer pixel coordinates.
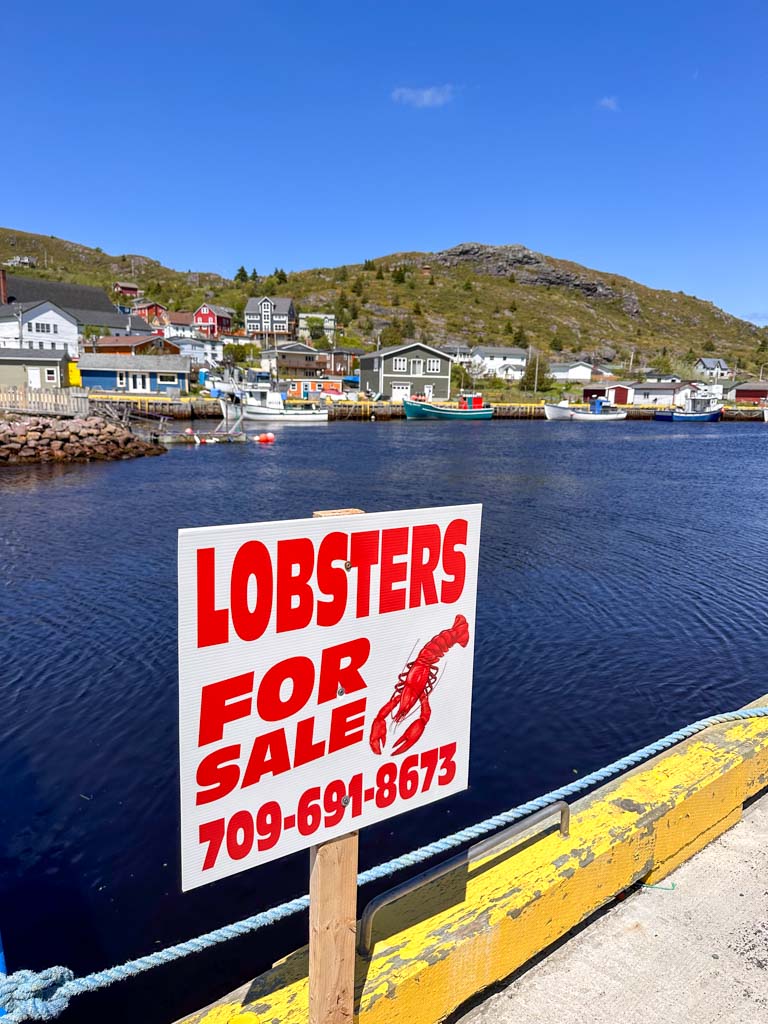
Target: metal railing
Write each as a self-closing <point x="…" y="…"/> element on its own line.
<point x="365" y="943"/>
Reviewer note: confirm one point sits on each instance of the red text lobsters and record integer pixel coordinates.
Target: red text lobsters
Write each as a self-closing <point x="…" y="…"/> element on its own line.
<point x="415" y="683"/>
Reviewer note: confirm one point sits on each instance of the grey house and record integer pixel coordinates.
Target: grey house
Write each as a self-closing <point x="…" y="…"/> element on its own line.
<point x="20" y="368"/>
<point x="407" y="370"/>
<point x="270" y="319"/>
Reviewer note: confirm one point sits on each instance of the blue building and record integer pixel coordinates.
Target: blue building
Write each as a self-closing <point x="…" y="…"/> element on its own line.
<point x="137" y="375"/>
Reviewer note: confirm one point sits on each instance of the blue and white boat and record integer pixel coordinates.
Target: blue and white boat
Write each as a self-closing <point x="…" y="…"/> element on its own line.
<point x="696" y="410"/>
<point x="600" y="411"/>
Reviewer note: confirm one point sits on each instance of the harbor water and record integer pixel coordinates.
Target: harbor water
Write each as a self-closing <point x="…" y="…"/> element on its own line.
<point x="623" y="576"/>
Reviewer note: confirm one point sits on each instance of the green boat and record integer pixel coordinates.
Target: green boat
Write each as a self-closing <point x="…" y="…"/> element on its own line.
<point x="428" y="411"/>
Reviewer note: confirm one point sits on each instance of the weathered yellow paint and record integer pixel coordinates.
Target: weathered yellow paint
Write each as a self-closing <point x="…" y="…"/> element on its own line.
<point x="73" y="375"/>
<point x="451" y="939"/>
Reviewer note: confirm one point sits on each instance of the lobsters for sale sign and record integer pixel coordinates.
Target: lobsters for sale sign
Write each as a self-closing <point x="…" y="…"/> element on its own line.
<point x="325" y="678"/>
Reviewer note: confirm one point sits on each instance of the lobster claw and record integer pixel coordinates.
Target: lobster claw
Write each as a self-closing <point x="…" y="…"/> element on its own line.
<point x="410" y="736"/>
<point x="378" y="734"/>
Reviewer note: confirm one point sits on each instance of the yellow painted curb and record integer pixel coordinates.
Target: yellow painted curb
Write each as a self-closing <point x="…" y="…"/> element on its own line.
<point x="451" y="939"/>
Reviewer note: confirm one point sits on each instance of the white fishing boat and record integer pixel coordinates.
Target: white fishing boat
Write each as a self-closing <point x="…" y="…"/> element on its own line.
<point x="765" y="415"/>
<point x="262" y="403"/>
<point x="561" y="411"/>
<point x="600" y="411"/>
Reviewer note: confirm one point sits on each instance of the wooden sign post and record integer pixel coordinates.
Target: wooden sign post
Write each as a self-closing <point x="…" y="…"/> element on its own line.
<point x="333" y="916"/>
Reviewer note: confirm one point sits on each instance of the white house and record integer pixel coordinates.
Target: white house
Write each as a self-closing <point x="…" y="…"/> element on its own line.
<point x="39" y="326"/>
<point x="178" y="324"/>
<point x="578" y="371"/>
<point x="329" y="324"/>
<point x="713" y="369"/>
<point x="202" y="350"/>
<point x="662" y="393"/>
<point x="461" y="354"/>
<point x="488" y="360"/>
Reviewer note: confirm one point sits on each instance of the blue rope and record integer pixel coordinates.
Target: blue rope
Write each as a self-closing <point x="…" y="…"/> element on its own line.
<point x="43" y="995"/>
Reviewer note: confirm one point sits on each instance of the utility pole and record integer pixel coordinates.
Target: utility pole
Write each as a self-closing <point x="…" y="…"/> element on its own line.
<point x="631" y="360"/>
<point x="536" y="374"/>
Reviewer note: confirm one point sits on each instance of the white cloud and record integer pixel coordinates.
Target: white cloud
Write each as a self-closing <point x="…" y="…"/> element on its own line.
<point x="432" y="96"/>
<point x="609" y="103"/>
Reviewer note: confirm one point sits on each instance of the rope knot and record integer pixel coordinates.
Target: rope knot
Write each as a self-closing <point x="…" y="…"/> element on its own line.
<point x="34" y="995"/>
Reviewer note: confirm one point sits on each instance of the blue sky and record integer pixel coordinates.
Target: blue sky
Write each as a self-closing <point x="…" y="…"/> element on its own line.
<point x="628" y="137"/>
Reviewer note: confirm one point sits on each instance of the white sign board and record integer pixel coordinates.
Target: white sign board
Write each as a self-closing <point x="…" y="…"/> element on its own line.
<point x="325" y="678"/>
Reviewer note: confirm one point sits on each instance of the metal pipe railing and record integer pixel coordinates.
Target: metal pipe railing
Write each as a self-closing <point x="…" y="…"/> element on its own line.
<point x="365" y="944"/>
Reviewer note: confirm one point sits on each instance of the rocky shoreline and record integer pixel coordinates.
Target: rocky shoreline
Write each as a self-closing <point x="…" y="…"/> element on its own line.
<point x="89" y="439"/>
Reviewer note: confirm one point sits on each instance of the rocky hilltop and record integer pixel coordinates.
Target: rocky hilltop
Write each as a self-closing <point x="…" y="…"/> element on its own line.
<point x="470" y="294"/>
<point x="45" y="439"/>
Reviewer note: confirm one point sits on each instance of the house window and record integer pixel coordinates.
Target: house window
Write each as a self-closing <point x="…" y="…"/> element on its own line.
<point x="29" y="327"/>
<point x="167" y="378"/>
<point x="53" y="344"/>
<point x="41" y="344"/>
<point x="399" y="364"/>
<point x="121" y="378"/>
<point x="55" y="328"/>
<point x="50" y="376"/>
<point x="417" y="367"/>
<point x="37" y="328"/>
<point x="433" y="366"/>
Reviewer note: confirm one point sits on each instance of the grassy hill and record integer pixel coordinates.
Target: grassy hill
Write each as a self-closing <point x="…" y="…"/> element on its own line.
<point x="471" y="294"/>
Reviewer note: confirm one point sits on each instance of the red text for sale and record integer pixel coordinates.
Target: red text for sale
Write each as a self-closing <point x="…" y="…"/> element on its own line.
<point x="345" y="575"/>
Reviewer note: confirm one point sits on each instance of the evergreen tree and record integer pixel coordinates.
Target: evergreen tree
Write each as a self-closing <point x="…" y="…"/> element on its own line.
<point x="398" y="275"/>
<point x="254" y="278"/>
<point x="369" y="265"/>
<point x="379" y="274"/>
<point x="241" y="276"/>
<point x="280" y="275"/>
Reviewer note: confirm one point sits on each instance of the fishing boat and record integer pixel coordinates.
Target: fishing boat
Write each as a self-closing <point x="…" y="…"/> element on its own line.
<point x="262" y="403"/>
<point x="470" y="408"/>
<point x="600" y="410"/>
<point x="695" y="410"/>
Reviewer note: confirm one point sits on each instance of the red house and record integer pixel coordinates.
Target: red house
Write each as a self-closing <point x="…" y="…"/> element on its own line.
<point x="127" y="288"/>
<point x="213" y="320"/>
<point x="149" y="309"/>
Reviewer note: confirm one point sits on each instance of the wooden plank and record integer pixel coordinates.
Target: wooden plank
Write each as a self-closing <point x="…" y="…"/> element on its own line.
<point x="332" y="923"/>
<point x="333" y="913"/>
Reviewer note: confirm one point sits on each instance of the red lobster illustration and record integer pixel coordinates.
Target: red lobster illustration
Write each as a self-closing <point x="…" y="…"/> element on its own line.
<point x="415" y="683"/>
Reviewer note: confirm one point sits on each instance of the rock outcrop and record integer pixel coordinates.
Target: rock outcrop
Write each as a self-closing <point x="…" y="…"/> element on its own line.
<point x="529" y="267"/>
<point x="46" y="439"/>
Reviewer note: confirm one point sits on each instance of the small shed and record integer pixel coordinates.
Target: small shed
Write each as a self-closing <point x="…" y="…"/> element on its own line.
<point x="33" y="368"/>
<point x="620" y="393"/>
<point x="141" y="375"/>
<point x="749" y="392"/>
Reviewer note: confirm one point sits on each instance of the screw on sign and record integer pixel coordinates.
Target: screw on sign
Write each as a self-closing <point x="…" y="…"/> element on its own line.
<point x="291" y="733"/>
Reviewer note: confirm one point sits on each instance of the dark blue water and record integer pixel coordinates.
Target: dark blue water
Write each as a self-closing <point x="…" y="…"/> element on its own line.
<point x="622" y="594"/>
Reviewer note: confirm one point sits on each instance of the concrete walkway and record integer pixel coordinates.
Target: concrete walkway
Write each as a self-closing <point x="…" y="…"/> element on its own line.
<point x="697" y="954"/>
